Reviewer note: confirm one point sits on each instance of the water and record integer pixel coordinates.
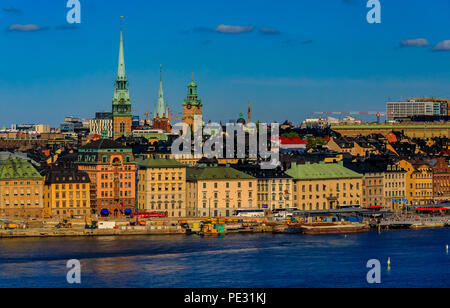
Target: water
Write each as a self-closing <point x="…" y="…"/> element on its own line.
<point x="418" y="259"/>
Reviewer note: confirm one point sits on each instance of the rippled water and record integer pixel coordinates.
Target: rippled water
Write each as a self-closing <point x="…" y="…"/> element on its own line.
<point x="418" y="259"/>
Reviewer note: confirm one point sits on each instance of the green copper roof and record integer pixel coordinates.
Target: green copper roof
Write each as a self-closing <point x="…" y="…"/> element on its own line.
<point x="121" y="103"/>
<point x="321" y="170"/>
<point x="158" y="163"/>
<point x="192" y="96"/>
<point x="216" y="173"/>
<point x="18" y="169"/>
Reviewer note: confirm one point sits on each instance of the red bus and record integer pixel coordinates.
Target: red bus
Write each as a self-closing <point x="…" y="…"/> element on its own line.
<point x="149" y="214"/>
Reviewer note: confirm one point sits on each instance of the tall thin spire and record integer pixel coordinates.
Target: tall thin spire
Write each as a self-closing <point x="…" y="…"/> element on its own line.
<point x="121" y="67"/>
<point x="161" y="109"/>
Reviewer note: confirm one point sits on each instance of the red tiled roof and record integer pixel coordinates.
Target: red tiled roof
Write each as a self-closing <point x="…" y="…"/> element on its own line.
<point x="294" y="140"/>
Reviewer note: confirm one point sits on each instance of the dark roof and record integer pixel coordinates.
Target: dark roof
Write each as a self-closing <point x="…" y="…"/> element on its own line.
<point x="103" y="144"/>
<point x="65" y="175"/>
<point x="257" y="172"/>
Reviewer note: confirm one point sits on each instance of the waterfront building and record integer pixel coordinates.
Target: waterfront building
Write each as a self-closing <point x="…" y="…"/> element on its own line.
<point x="372" y="184"/>
<point x="441" y="180"/>
<point x="102" y="124"/>
<point x="419" y="181"/>
<point x="21" y="188"/>
<point x="417" y="107"/>
<point x="325" y="186"/>
<point x="111" y="169"/>
<point x="274" y="187"/>
<point x="192" y="105"/>
<point x="394" y="185"/>
<point x="161" y="186"/>
<point x="218" y="191"/>
<point x="66" y="192"/>
<point x="121" y="103"/>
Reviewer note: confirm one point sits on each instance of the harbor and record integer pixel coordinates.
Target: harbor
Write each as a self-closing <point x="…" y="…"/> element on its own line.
<point x="343" y="222"/>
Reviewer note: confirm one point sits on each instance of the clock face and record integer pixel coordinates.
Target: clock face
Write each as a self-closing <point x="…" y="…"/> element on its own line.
<point x="122" y="100"/>
<point x="189" y="106"/>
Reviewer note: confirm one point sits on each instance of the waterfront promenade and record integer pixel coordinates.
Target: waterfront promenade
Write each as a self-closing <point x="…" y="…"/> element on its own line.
<point x="177" y="226"/>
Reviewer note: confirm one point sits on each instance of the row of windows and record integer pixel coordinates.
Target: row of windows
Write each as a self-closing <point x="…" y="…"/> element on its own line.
<point x="71" y="203"/>
<point x="227" y="185"/>
<point x="126" y="193"/>
<point x="70" y="186"/>
<point x="70" y="195"/>
<point x="22" y="183"/>
<point x="227" y="194"/>
<point x="21" y="203"/>
<point x="323" y="187"/>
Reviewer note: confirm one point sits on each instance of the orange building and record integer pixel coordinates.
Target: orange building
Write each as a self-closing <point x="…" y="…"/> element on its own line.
<point x="111" y="168"/>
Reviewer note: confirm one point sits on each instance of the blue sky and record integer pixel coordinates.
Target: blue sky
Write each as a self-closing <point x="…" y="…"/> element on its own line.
<point x="289" y="58"/>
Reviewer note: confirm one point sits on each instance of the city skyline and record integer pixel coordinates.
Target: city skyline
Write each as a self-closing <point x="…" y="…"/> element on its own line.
<point x="71" y="69"/>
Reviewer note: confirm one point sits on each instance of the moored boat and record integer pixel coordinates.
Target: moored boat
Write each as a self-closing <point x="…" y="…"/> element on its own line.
<point x="334" y="228"/>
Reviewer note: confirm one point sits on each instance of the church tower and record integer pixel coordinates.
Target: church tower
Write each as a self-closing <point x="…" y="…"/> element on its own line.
<point x="161" y="114"/>
<point x="121" y="103"/>
<point x="192" y="105"/>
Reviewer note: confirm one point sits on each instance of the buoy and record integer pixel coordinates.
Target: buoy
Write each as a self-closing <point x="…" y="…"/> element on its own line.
<point x="389" y="261"/>
<point x="446" y="248"/>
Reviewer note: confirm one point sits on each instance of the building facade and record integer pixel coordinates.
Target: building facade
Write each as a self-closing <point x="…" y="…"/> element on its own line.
<point x="441" y="180"/>
<point x="161" y="186"/>
<point x="112" y="171"/>
<point x="324" y="186"/>
<point x="21" y="188"/>
<point x="419" y="182"/>
<point x="67" y="193"/>
<point x="394" y="183"/>
<point x="102" y="124"/>
<point x="219" y="191"/>
<point x="417" y="107"/>
<point x="274" y="187"/>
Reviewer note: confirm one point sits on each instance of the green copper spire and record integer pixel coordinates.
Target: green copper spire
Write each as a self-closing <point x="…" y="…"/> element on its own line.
<point x="161" y="109"/>
<point x="121" y="100"/>
<point x="192" y="96"/>
<point x="121" y="67"/>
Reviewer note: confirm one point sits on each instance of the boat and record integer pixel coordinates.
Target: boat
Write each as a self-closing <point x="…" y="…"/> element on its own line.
<point x="422" y="225"/>
<point x="334" y="228"/>
<point x="283" y="228"/>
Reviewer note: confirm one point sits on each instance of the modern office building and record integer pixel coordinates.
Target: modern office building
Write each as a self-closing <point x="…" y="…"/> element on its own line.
<point x="417" y="108"/>
<point x="102" y="124"/>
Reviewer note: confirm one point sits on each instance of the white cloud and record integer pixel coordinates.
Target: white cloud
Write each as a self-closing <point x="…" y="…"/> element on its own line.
<point x="419" y="42"/>
<point x="442" y="46"/>
<point x="234" y="29"/>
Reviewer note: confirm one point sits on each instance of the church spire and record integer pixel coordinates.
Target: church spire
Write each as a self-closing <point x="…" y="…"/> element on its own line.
<point x="121" y="67"/>
<point x="161" y="108"/>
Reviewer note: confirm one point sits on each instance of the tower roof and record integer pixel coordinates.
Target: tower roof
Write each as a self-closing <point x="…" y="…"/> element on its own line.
<point x="121" y="66"/>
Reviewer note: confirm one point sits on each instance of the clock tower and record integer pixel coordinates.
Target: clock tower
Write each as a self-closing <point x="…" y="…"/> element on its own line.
<point x="192" y="105"/>
<point x="121" y="103"/>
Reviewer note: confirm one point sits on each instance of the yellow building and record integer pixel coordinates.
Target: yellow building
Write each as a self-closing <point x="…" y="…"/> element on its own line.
<point x="162" y="187"/>
<point x="394" y="182"/>
<point x="419" y="182"/>
<point x="21" y="188"/>
<point x="67" y="193"/>
<point x="219" y="191"/>
<point x="324" y="186"/>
